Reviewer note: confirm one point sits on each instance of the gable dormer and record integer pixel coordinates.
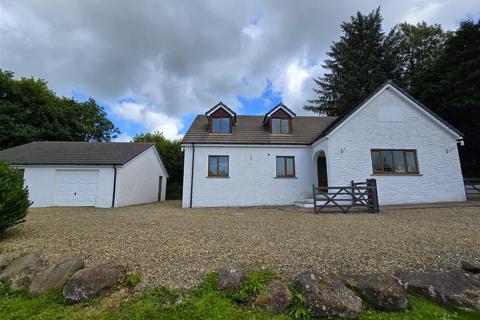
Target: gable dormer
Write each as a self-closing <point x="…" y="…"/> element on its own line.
<point x="221" y="119"/>
<point x="279" y="120"/>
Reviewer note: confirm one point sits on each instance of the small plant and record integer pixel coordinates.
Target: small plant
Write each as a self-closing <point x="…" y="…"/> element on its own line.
<point x="299" y="309"/>
<point x="255" y="282"/>
<point x="132" y="279"/>
<point x="14" y="201"/>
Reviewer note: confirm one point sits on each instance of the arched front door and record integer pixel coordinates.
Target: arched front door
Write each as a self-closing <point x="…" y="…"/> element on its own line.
<point x="322" y="172"/>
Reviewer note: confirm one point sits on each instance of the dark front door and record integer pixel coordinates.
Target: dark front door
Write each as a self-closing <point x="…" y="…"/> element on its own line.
<point x="322" y="172"/>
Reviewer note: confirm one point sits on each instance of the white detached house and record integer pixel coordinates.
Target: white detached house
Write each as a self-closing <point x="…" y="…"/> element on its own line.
<point x="242" y="160"/>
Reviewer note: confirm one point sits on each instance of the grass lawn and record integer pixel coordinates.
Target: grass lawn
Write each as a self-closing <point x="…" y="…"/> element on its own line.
<point x="203" y="302"/>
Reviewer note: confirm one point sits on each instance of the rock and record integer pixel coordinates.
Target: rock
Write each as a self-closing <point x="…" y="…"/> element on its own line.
<point x="230" y="277"/>
<point x="380" y="290"/>
<point x="276" y="299"/>
<point x="326" y="295"/>
<point x="452" y="289"/>
<point x="21" y="270"/>
<point x="471" y="267"/>
<point x="90" y="282"/>
<point x="6" y="258"/>
<point x="55" y="277"/>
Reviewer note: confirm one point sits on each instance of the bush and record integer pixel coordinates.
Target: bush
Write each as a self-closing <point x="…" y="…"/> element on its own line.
<point x="13" y="197"/>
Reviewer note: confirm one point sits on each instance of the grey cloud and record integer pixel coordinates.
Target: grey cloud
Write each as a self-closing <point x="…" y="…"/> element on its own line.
<point x="183" y="56"/>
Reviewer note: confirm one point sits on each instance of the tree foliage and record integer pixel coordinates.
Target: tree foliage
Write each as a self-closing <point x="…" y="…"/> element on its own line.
<point x="172" y="157"/>
<point x="415" y="50"/>
<point x="356" y="66"/>
<point x="14" y="201"/>
<point x="30" y="111"/>
<point x="452" y="89"/>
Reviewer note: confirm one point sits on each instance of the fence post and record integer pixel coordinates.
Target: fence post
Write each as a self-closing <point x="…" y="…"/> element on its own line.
<point x="373" y="195"/>
<point x="352" y="184"/>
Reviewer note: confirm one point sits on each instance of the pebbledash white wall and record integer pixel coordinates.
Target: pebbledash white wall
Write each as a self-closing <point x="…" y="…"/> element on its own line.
<point x="392" y="121"/>
<point x="40" y="181"/>
<point x="252" y="176"/>
<point x="138" y="179"/>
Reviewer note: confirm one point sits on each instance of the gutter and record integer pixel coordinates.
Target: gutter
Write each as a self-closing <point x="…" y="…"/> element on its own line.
<point x="193" y="171"/>
<point x="114" y="185"/>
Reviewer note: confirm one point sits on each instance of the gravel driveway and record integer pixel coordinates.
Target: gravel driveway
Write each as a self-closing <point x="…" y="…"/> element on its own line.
<point x="175" y="247"/>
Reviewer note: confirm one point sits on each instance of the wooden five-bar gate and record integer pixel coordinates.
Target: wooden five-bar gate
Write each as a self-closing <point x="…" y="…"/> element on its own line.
<point x="357" y="194"/>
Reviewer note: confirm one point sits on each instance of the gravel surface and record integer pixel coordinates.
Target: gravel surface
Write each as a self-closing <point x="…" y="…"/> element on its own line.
<point x="176" y="247"/>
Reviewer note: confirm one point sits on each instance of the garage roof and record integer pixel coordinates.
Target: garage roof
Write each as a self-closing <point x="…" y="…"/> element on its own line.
<point x="73" y="153"/>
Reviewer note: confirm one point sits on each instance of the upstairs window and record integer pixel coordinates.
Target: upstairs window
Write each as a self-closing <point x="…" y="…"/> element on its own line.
<point x="394" y="161"/>
<point x="280" y="126"/>
<point x="221" y="125"/>
<point x="218" y="166"/>
<point x="285" y="167"/>
<point x="221" y="119"/>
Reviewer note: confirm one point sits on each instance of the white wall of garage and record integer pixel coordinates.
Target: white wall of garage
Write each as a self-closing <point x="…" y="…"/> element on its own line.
<point x="40" y="181"/>
<point x="137" y="181"/>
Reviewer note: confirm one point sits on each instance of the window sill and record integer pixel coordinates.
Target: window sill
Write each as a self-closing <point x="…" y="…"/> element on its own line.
<point x="280" y="134"/>
<point x="220" y="133"/>
<point x="285" y="178"/>
<point x="397" y="174"/>
<point x="217" y="177"/>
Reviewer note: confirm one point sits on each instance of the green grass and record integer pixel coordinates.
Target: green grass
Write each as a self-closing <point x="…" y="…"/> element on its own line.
<point x="204" y="302"/>
<point x="421" y="309"/>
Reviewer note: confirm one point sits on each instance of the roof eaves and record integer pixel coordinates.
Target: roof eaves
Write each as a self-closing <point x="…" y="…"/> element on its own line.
<point x="147" y="146"/>
<point x="224" y="106"/>
<point x="280" y="105"/>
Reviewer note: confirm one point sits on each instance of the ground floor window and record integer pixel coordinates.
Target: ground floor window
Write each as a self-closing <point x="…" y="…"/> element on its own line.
<point x="218" y="166"/>
<point x="394" y="161"/>
<point x="285" y="166"/>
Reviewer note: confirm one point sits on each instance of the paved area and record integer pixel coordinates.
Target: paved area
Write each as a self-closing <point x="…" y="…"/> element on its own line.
<point x="176" y="247"/>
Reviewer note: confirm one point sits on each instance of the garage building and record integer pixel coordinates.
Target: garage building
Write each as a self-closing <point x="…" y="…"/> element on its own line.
<point x="97" y="174"/>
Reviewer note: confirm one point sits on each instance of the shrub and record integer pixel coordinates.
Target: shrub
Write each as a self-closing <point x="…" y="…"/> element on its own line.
<point x="13" y="197"/>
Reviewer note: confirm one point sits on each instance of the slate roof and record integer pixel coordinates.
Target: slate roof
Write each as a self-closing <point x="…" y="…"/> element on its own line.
<point x="250" y="130"/>
<point x="73" y="153"/>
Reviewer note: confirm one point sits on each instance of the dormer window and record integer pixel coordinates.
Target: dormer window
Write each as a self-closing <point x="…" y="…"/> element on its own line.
<point x="221" y="125"/>
<point x="280" y="126"/>
<point x="279" y="120"/>
<point x="220" y="119"/>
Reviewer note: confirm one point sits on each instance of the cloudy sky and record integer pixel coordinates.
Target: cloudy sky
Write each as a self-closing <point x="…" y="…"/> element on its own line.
<point x="153" y="65"/>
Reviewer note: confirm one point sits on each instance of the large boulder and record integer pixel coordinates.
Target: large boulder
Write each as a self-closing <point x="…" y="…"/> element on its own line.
<point x="380" y="290"/>
<point x="326" y="295"/>
<point x="90" y="282"/>
<point x="471" y="267"/>
<point x="452" y="289"/>
<point x="6" y="258"/>
<point x="55" y="277"/>
<point x="21" y="270"/>
<point x="230" y="277"/>
<point x="276" y="298"/>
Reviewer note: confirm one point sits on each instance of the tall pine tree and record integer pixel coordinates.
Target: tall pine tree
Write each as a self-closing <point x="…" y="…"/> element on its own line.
<point x="357" y="65"/>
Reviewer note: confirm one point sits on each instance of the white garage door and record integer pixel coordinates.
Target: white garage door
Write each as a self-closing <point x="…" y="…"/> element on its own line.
<point x="75" y="188"/>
